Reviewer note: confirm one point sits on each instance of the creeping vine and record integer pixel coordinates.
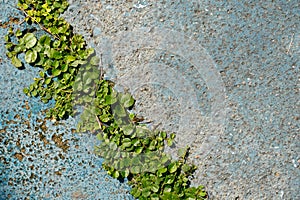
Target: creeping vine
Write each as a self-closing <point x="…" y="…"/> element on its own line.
<point x="69" y="74"/>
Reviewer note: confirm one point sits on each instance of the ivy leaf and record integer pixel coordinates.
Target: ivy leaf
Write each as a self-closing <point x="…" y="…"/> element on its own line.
<point x="26" y="91"/>
<point x="16" y="62"/>
<point x="29" y="40"/>
<point x="30" y="56"/>
<point x="48" y="80"/>
<point x="169" y="179"/>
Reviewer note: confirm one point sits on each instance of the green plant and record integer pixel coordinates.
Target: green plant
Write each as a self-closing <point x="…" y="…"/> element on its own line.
<point x="59" y="54"/>
<point x="69" y="74"/>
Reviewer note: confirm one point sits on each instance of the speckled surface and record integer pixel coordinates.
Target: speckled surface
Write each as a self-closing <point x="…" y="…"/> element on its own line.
<point x="252" y="150"/>
<point x="255" y="49"/>
<point x="40" y="159"/>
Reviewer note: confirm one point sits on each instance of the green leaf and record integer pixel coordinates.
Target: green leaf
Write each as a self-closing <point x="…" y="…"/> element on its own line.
<point x="95" y="60"/>
<point x="126" y="144"/>
<point x="69" y="58"/>
<point x="78" y="62"/>
<point x="169" y="179"/>
<point x="19" y="48"/>
<point x="113" y="146"/>
<point x="45" y="41"/>
<point x="115" y="174"/>
<point x="139" y="150"/>
<point x="172" y="136"/>
<point x="168" y="196"/>
<point x="136" y="192"/>
<point x="48" y="80"/>
<point x="186" y="167"/>
<point x="127" y="100"/>
<point x="182" y="152"/>
<point x="165" y="159"/>
<point x="26" y="91"/>
<point x="42" y="74"/>
<point x="161" y="171"/>
<point x="18" y="33"/>
<point x="119" y="111"/>
<point x="128" y="129"/>
<point x="56" y="72"/>
<point x="125" y="173"/>
<point x="34" y="93"/>
<point x="30" y="56"/>
<point x="55" y="54"/>
<point x="110" y="99"/>
<point x="136" y="170"/>
<point x="155" y="188"/>
<point x="64" y="68"/>
<point x="172" y="167"/>
<point x="29" y="40"/>
<point x="6" y="38"/>
<point x="169" y="142"/>
<point x="163" y="134"/>
<point x="203" y="194"/>
<point x="9" y="54"/>
<point x="146" y="192"/>
<point x="136" y="142"/>
<point x="16" y="62"/>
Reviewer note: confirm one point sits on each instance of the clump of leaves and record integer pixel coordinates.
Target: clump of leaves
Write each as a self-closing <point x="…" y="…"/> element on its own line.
<point x="69" y="75"/>
<point x="168" y="182"/>
<point x="132" y="150"/>
<point x="59" y="54"/>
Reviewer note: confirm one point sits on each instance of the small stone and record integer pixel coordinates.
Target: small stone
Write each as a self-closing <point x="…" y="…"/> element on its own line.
<point x="19" y="156"/>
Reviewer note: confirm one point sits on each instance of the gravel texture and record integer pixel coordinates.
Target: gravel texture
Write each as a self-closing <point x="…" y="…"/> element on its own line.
<point x="223" y="75"/>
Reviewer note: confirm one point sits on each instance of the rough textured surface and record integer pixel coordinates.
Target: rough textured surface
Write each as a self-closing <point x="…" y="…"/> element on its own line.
<point x="40" y="159"/>
<point x="253" y="50"/>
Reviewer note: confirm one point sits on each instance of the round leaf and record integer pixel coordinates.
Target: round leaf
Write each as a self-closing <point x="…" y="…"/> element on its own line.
<point x="16" y="62"/>
<point x="29" y="40"/>
<point x="127" y="100"/>
<point x="172" y="167"/>
<point x="155" y="188"/>
<point x="30" y="56"/>
<point x="56" y="72"/>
